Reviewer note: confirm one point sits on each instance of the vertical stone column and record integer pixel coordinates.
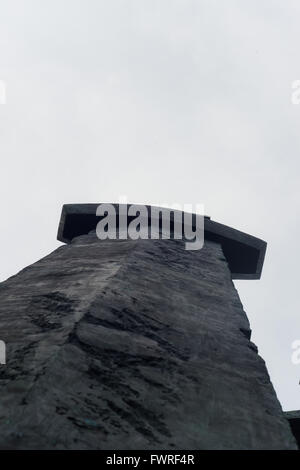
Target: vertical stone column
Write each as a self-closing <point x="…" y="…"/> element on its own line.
<point x="124" y="344"/>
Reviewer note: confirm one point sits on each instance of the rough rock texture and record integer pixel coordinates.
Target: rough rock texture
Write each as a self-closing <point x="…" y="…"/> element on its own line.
<point x="132" y="345"/>
<point x="293" y="418"/>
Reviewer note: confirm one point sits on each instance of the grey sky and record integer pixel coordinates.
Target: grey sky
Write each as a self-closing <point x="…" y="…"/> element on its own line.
<point x="163" y="101"/>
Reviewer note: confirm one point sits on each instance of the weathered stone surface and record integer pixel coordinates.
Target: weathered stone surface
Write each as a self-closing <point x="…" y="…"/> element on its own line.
<point x="132" y="345"/>
<point x="293" y="418"/>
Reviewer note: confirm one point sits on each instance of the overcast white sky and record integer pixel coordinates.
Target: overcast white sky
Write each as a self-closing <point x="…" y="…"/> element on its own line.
<point x="185" y="101"/>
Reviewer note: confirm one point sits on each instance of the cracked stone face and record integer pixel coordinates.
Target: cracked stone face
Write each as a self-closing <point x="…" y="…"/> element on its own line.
<point x="125" y="344"/>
